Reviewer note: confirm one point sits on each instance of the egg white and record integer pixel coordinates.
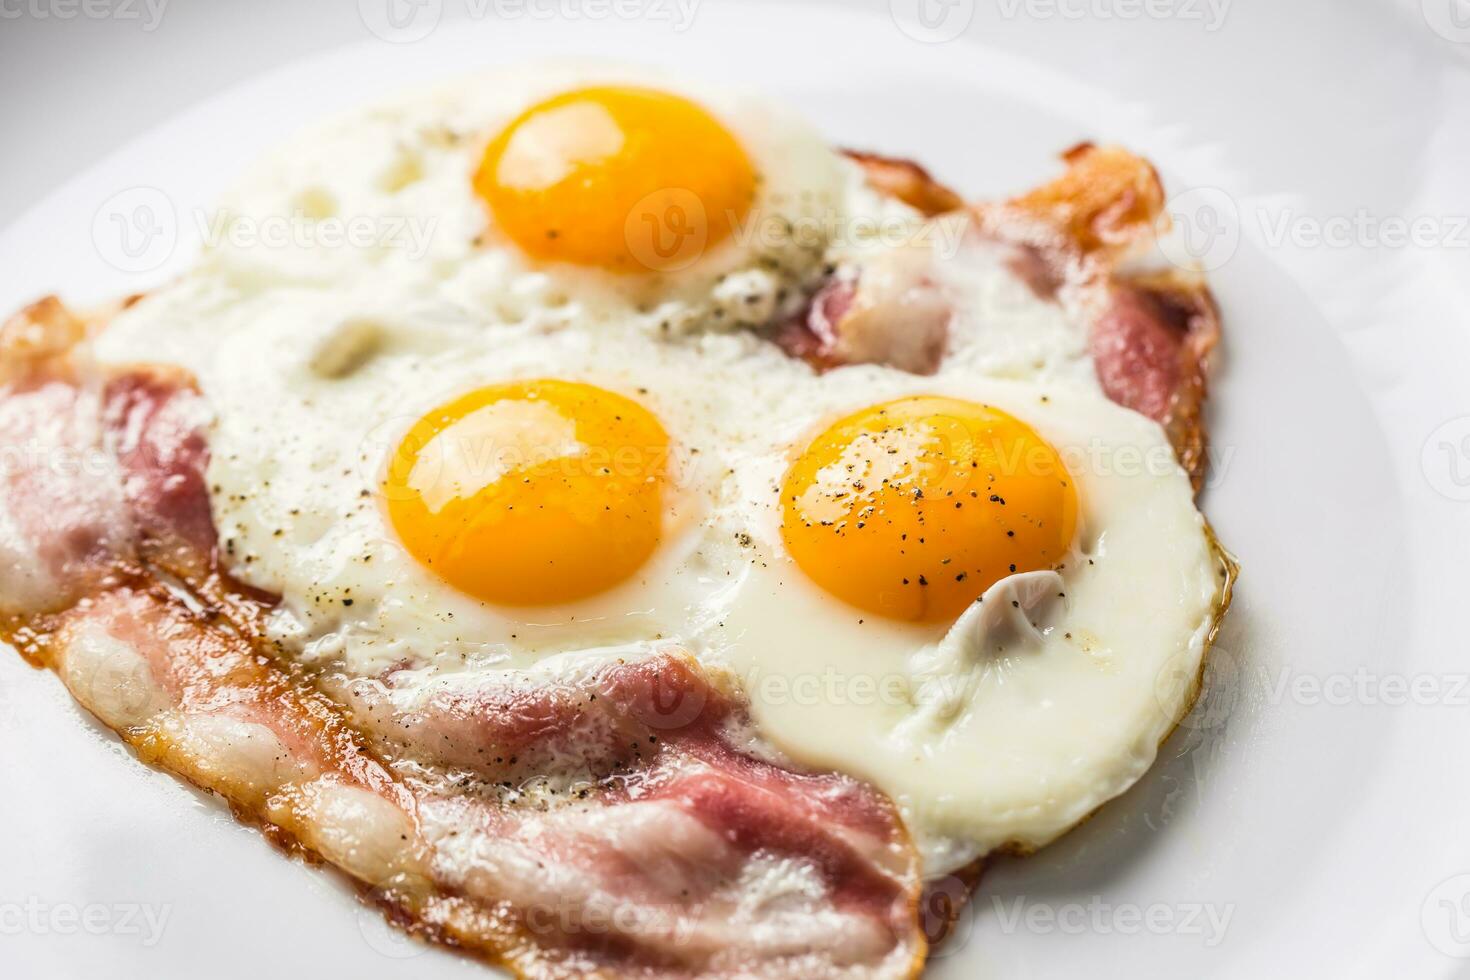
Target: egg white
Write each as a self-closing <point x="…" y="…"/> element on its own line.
<point x="385" y="195"/>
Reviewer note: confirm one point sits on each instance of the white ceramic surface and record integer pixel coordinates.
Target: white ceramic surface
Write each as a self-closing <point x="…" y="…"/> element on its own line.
<point x="1309" y="819"/>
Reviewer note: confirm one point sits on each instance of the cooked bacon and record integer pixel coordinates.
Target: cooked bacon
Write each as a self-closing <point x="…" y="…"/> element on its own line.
<point x="1151" y="336"/>
<point x="1151" y="346"/>
<point x="592" y="720"/>
<point x="666" y="850"/>
<point x="907" y="181"/>
<point x="62" y="513"/>
<point x="1106" y="201"/>
<point x="888" y="312"/>
<point x="96" y="471"/>
<point x="42" y="332"/>
<point x="810" y="335"/>
<point x="153" y="421"/>
<point x="1044" y="274"/>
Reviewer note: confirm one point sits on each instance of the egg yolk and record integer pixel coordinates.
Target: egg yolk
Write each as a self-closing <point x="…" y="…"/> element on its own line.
<point x="627" y="179"/>
<point x="531" y="492"/>
<point x="913" y="508"/>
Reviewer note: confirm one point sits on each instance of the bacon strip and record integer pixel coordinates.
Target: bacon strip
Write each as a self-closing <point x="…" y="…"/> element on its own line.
<point x="664" y="851"/>
<point x="1151" y="336"/>
<point x="1105" y="202"/>
<point x="893" y="315"/>
<point x="907" y="181"/>
<point x="1152" y="346"/>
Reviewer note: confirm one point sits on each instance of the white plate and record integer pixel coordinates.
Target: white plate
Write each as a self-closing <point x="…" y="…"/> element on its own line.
<point x="1310" y="818"/>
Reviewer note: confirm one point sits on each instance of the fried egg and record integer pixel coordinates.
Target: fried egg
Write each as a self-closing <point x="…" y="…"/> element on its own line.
<point x="965" y="588"/>
<point x="554" y="195"/>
